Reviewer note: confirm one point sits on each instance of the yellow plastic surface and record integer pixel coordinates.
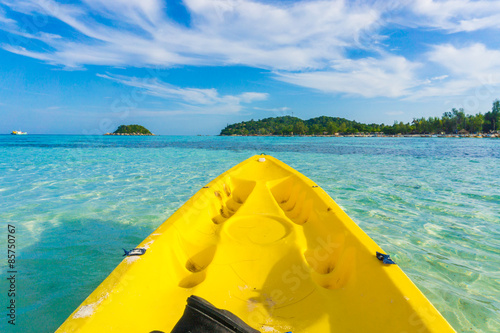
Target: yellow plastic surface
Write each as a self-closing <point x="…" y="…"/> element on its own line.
<point x="266" y="243"/>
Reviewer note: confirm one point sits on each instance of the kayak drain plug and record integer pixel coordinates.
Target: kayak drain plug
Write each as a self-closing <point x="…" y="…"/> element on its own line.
<point x="385" y="258"/>
<point x="134" y="252"/>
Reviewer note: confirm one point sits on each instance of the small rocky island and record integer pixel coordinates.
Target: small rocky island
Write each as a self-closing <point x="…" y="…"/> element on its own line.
<point x="131" y="130"/>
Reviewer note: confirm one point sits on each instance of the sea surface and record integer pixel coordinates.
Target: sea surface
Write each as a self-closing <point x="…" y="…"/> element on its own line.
<point x="76" y="201"/>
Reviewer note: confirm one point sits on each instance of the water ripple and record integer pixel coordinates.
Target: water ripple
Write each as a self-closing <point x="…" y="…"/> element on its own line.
<point x="434" y="204"/>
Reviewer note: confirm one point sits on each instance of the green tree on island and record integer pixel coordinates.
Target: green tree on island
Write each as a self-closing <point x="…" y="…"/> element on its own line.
<point x="492" y="118"/>
<point x="300" y="128"/>
<point x="451" y="122"/>
<point x="132" y="129"/>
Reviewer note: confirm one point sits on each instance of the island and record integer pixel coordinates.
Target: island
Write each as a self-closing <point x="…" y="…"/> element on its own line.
<point x="131" y="130"/>
<point x="452" y="124"/>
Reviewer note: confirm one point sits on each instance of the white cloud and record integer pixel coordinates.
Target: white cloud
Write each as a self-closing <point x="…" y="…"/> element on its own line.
<point x="281" y="109"/>
<point x="5" y="21"/>
<point x="389" y="77"/>
<point x="438" y="78"/>
<point x="207" y="101"/>
<point x="304" y="43"/>
<point x="143" y="13"/>
<point x="457" y="15"/>
<point x="22" y="51"/>
<point x="293" y="36"/>
<point x="472" y="61"/>
<point x="469" y="67"/>
<point x="394" y="113"/>
<point x="249" y="97"/>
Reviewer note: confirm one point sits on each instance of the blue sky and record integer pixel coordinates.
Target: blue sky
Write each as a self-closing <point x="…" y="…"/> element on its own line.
<point x="192" y="66"/>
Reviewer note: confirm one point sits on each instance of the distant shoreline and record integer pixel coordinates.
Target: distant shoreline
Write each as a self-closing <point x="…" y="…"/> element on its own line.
<point x="476" y="136"/>
<point x="489" y="136"/>
<point x="451" y="124"/>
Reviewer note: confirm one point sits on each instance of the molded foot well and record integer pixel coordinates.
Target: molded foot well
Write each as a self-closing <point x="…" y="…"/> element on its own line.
<point x="229" y="196"/>
<point x="201" y="260"/>
<point x="328" y="253"/>
<point x="192" y="280"/>
<point x="335" y="277"/>
<point x="195" y="265"/>
<point x="192" y="251"/>
<point x="293" y="197"/>
<point x="331" y="262"/>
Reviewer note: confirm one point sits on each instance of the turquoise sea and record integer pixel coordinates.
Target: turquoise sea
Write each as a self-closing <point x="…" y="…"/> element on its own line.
<point x="76" y="201"/>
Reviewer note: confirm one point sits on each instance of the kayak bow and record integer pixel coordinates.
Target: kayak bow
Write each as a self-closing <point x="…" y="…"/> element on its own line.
<point x="269" y="245"/>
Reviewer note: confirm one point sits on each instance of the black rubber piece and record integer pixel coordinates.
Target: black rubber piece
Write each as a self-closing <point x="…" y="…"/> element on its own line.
<point x="200" y="316"/>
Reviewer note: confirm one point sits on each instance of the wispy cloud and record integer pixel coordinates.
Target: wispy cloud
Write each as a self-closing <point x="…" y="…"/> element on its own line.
<point x="292" y="36"/>
<point x="369" y="77"/>
<point x="305" y="43"/>
<point x="281" y="109"/>
<point x="394" y="113"/>
<point x="5" y="21"/>
<point x="470" y="68"/>
<point x="438" y="78"/>
<point x="456" y="15"/>
<point x="473" y="60"/>
<point x="207" y="101"/>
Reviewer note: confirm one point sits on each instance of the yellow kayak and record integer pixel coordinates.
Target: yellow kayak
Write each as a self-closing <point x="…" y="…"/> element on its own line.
<point x="269" y="245"/>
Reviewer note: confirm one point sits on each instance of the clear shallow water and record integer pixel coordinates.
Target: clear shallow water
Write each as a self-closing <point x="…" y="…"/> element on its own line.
<point x="76" y="201"/>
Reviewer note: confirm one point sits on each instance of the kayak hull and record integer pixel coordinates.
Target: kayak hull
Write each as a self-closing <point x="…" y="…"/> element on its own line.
<point x="268" y="244"/>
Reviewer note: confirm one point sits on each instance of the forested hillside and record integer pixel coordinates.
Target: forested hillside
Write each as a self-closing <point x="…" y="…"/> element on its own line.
<point x="450" y="123"/>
